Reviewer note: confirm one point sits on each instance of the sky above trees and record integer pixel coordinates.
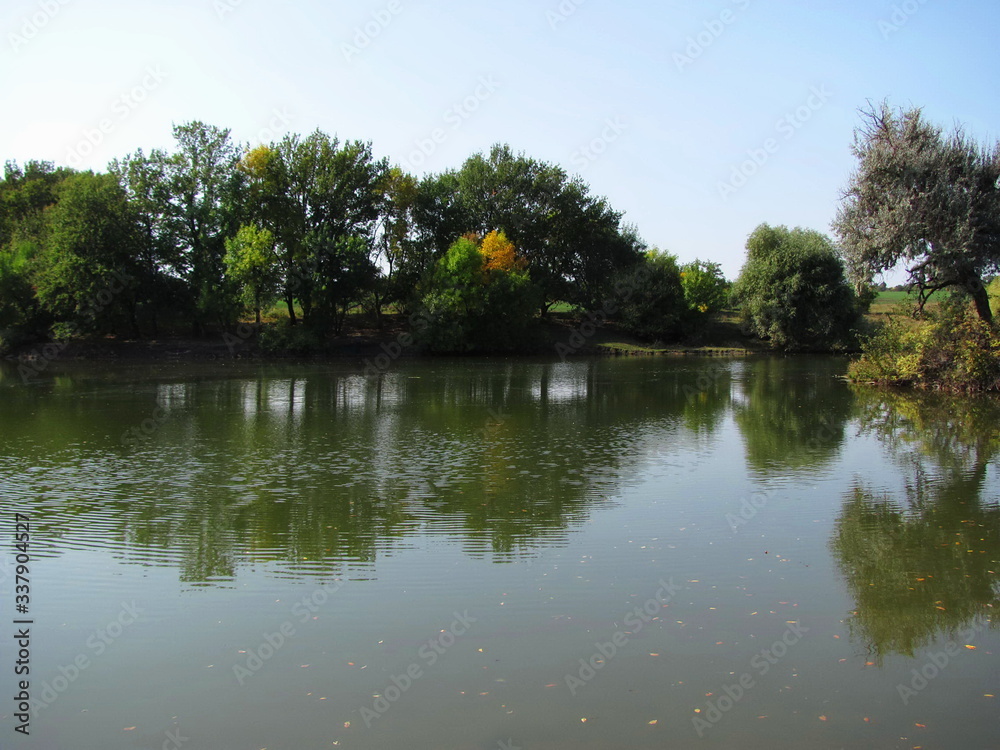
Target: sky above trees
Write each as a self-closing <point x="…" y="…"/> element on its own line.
<point x="700" y="120"/>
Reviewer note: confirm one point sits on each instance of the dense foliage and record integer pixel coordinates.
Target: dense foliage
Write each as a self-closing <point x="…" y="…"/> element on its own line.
<point x="954" y="350"/>
<point x="793" y="290"/>
<point x="480" y="297"/>
<point x="212" y="231"/>
<point x="925" y="199"/>
<point x="652" y="305"/>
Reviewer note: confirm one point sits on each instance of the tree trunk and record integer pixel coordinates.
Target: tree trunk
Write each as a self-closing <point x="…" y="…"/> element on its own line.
<point x="982" y="299"/>
<point x="291" y="309"/>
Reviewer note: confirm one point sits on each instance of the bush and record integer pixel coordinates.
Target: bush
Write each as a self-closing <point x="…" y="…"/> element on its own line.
<point x="284" y="338"/>
<point x="653" y="305"/>
<point x="705" y="288"/>
<point x="954" y="351"/>
<point x="480" y="299"/>
<point x="793" y="290"/>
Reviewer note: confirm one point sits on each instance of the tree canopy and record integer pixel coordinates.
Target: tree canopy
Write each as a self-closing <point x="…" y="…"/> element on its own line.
<point x="923" y="198"/>
<point x="793" y="290"/>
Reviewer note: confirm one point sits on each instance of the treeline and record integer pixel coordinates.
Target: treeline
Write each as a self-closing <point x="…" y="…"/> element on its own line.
<point x="214" y="232"/>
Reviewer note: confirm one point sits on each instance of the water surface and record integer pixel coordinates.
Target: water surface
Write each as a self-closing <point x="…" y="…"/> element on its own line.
<point x="641" y="553"/>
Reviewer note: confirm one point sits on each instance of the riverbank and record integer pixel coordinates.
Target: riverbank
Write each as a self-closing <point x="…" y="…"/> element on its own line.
<point x="559" y="335"/>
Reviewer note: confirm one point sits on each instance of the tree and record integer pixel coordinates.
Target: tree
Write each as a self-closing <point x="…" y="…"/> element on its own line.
<point x="480" y="297"/>
<point x="87" y="275"/>
<point x="652" y="298"/>
<point x="793" y="290"/>
<point x="399" y="196"/>
<point x="573" y="242"/>
<point x="26" y="193"/>
<point x="923" y="198"/>
<point x="161" y="263"/>
<point x="202" y="210"/>
<point x="343" y="274"/>
<point x="252" y="265"/>
<point x="705" y="288"/>
<point x="314" y="193"/>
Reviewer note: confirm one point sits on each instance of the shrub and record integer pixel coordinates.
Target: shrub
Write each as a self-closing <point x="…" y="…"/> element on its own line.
<point x="954" y="351"/>
<point x="653" y="305"/>
<point x="480" y="298"/>
<point x="284" y="338"/>
<point x="793" y="290"/>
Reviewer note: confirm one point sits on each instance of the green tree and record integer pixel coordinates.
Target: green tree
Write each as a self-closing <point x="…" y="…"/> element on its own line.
<point x="793" y="290"/>
<point x="202" y="210"/>
<point x="87" y="274"/>
<point x="925" y="199"/>
<point x="705" y="288"/>
<point x="394" y="229"/>
<point x="573" y="241"/>
<point x="343" y="276"/>
<point x="651" y="296"/>
<point x="252" y="266"/>
<point x="161" y="263"/>
<point x="315" y="193"/>
<point x="480" y="297"/>
<point x="26" y="192"/>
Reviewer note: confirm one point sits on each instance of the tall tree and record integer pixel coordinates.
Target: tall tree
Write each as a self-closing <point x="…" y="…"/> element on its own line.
<point x="203" y="211"/>
<point x="314" y="194"/>
<point x="88" y="267"/>
<point x="924" y="198"/>
<point x="573" y="241"/>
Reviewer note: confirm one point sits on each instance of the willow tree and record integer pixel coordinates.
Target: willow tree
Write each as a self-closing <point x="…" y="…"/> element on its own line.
<point x="923" y="199"/>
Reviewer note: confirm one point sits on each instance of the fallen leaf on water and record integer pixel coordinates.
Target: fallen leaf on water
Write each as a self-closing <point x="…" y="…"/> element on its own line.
<point x="654" y="722"/>
<point x="971" y="648"/>
<point x="822" y="718"/>
<point x="922" y="726"/>
<point x="127" y="729"/>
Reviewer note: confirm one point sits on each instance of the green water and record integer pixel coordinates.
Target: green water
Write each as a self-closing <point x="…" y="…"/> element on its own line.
<point x="487" y="554"/>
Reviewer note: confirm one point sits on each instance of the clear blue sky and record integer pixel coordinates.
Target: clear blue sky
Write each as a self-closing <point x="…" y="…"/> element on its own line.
<point x="776" y="78"/>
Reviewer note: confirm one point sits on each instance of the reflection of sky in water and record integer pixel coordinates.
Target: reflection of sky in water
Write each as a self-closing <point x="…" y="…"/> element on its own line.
<point x="548" y="500"/>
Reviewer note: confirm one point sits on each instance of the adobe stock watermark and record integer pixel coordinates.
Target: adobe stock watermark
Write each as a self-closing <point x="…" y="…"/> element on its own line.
<point x="273" y="642"/>
<point x="938" y="661"/>
<point x="635" y="620"/>
<point x="278" y="124"/>
<point x="455" y="118"/>
<point x="32" y="26"/>
<point x="901" y="15"/>
<point x="761" y="664"/>
<point x="98" y="642"/>
<point x="224" y="7"/>
<point x="147" y="428"/>
<point x="560" y="15"/>
<point x="714" y="29"/>
<point x="121" y="109"/>
<point x="786" y="128"/>
<point x="169" y="739"/>
<point x="587" y="155"/>
<point x="428" y="654"/>
<point x="366" y="33"/>
<point x="749" y="508"/>
<point x="419" y="322"/>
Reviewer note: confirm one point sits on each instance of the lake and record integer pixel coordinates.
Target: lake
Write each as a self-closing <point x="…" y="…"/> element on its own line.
<point x="490" y="554"/>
